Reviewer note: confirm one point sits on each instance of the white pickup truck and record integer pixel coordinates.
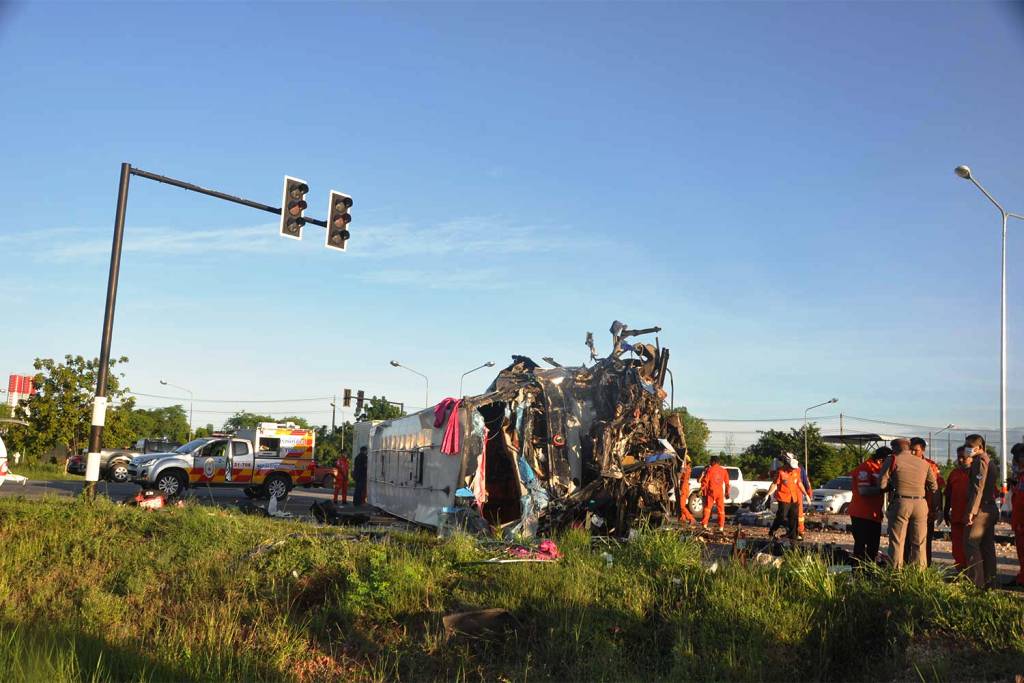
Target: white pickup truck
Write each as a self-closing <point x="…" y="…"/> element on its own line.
<point x="740" y="490"/>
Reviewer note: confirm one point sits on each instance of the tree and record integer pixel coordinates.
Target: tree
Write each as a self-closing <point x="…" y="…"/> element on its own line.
<point x="60" y="412"/>
<point x="380" y="409"/>
<point x="246" y="420"/>
<point x="330" y="445"/>
<point x="825" y="461"/>
<point x="204" y="431"/>
<point x="697" y="433"/>
<point x="170" y="422"/>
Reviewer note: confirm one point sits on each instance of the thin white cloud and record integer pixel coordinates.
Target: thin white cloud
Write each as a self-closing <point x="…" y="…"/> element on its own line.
<point x="465" y="236"/>
<point x="478" y="279"/>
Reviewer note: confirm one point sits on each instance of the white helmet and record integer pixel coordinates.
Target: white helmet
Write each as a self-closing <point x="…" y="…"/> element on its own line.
<point x="790" y="459"/>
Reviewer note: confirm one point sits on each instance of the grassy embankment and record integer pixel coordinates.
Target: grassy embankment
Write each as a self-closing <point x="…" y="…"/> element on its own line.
<point x="107" y="593"/>
<point x="43" y="472"/>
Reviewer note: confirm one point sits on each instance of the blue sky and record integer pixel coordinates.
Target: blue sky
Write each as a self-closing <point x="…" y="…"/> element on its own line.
<point x="770" y="182"/>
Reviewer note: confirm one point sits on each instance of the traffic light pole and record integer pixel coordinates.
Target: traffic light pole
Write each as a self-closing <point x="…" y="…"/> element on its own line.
<point x="99" y="408"/>
<point x="219" y="195"/>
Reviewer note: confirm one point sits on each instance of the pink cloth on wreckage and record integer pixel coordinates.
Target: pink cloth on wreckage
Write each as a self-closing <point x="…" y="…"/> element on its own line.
<point x="449" y="409"/>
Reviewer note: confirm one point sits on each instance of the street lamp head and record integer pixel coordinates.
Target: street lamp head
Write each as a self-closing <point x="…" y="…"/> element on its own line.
<point x="489" y="364"/>
<point x="834" y="400"/>
<point x="963" y="171"/>
<point x="163" y="382"/>
<point x="395" y="364"/>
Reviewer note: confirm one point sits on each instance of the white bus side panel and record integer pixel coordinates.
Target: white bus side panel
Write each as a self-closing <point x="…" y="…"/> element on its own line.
<point x="407" y="475"/>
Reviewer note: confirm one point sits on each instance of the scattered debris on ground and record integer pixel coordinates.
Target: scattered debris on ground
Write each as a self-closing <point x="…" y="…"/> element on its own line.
<point x="480" y="623"/>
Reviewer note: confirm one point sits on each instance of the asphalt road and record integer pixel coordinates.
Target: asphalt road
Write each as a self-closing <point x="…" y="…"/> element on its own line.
<point x="297" y="503"/>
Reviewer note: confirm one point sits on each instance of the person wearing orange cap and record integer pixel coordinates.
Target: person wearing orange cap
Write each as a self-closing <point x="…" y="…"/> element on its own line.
<point x="341" y="479"/>
<point x="789" y="490"/>
<point x="955" y="505"/>
<point x="714" y="486"/>
<point x="684" y="491"/>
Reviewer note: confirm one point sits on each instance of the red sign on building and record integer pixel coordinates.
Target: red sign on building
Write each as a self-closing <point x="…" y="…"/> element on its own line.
<point x="19" y="388"/>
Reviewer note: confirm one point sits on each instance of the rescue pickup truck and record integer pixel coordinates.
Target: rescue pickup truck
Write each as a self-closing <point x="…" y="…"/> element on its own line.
<point x="266" y="461"/>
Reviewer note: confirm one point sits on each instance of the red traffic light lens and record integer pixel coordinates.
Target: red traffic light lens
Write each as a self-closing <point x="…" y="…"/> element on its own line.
<point x="295" y="208"/>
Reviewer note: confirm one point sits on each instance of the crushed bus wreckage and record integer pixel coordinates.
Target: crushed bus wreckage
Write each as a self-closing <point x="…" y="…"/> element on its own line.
<point x="541" y="449"/>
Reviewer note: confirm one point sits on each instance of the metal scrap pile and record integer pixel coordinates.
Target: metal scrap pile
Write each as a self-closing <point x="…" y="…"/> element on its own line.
<point x="595" y="437"/>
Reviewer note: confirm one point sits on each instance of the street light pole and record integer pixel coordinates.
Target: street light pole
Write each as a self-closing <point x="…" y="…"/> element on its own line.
<point x="426" y="396"/>
<point x="488" y="364"/>
<point x="965" y="173"/>
<point x="818" y="405"/>
<point x="189" y="391"/>
<point x="947" y="427"/>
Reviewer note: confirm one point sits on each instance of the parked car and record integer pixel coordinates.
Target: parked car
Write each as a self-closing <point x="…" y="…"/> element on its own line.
<point x="740" y="490"/>
<point x="324" y="476"/>
<point x="114" y="461"/>
<point x="834" y="497"/>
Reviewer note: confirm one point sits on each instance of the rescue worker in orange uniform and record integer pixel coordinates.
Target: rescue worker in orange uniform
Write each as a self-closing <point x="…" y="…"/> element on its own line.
<point x="1017" y="514"/>
<point x="789" y="490"/>
<point x="714" y="486"/>
<point x="955" y="505"/>
<point x="341" y="479"/>
<point x="866" y="507"/>
<point x="684" y="491"/>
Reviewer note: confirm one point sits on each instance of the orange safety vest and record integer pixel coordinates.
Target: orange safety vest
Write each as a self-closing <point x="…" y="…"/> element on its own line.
<point x="788" y="486"/>
<point x="866" y="507"/>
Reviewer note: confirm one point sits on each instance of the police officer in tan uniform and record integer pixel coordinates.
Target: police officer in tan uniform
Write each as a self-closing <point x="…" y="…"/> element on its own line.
<point x="909" y="481"/>
<point x="981" y="515"/>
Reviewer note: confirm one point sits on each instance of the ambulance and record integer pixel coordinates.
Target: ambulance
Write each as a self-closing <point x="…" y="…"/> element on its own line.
<point x="267" y="461"/>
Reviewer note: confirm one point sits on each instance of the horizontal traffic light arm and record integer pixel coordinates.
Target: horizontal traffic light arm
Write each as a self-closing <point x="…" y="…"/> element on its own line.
<point x="219" y="195"/>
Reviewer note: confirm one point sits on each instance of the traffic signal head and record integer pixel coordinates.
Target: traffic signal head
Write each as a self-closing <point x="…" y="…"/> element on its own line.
<point x="338" y="218"/>
<point x="360" y="397"/>
<point x="347" y="399"/>
<point x="293" y="205"/>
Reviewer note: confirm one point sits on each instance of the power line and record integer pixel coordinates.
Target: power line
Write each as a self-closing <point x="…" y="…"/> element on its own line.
<point x="769" y="419"/>
<point x="228" y="400"/>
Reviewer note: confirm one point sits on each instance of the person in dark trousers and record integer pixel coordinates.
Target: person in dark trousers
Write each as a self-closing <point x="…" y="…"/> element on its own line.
<point x="788" y="489"/>
<point x="866" y="507"/>
<point x="981" y="515"/>
<point x="360" y="477"/>
<point x="919" y="447"/>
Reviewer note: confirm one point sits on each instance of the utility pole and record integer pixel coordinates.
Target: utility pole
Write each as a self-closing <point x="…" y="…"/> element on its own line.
<point x="334" y="400"/>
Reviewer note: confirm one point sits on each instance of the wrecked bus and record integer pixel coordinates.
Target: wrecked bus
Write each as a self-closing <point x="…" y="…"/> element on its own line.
<point x="542" y="448"/>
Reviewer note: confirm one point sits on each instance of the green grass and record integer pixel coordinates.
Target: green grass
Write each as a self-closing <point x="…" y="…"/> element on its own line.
<point x="105" y="593"/>
<point x="42" y="471"/>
